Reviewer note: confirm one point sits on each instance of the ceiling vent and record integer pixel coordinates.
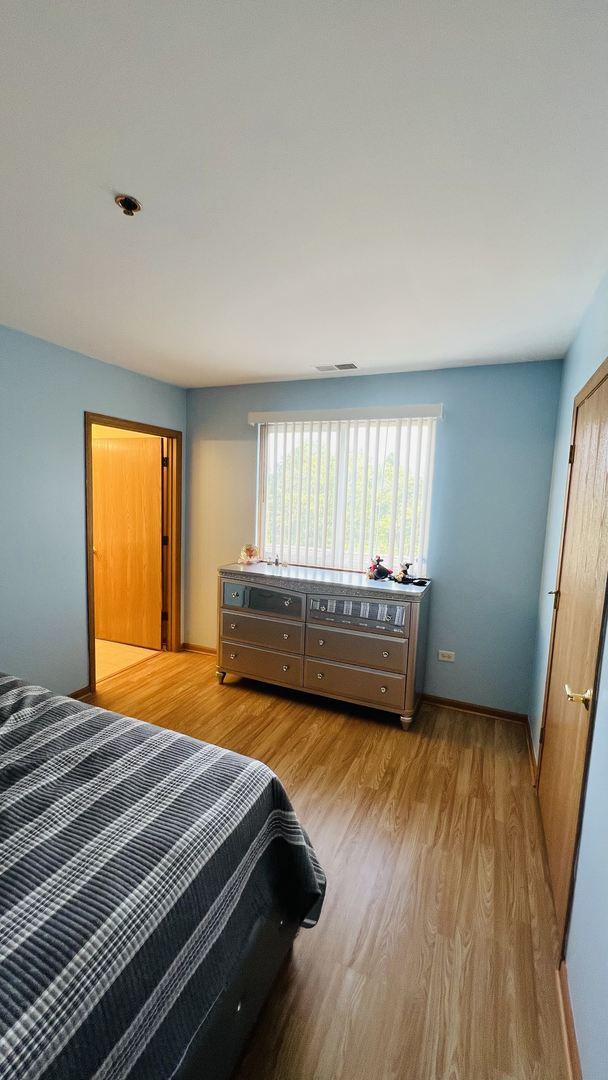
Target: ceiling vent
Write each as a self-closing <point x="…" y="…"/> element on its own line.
<point x="335" y="367"/>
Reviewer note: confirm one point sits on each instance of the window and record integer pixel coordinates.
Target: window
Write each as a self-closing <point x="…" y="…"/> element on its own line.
<point x="336" y="492"/>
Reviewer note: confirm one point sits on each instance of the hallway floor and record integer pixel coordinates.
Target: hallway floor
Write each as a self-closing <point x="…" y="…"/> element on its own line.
<point x="113" y="656"/>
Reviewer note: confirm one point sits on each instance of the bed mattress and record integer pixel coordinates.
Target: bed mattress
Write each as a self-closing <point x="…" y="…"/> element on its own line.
<point x="134" y="863"/>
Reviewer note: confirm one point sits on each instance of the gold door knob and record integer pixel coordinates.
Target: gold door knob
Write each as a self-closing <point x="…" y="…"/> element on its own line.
<point x="580" y="699"/>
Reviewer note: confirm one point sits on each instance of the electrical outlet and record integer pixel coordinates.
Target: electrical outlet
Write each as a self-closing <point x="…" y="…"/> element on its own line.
<point x="445" y="654"/>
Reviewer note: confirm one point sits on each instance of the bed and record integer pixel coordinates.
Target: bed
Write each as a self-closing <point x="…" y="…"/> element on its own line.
<point x="151" y="886"/>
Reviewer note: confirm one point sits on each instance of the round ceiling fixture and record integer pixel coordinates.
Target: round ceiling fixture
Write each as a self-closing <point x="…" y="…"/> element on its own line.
<point x="128" y="204"/>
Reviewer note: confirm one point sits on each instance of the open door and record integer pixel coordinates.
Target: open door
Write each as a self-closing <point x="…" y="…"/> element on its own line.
<point x="127" y="536"/>
<point x="575" y="641"/>
<point x="133" y="521"/>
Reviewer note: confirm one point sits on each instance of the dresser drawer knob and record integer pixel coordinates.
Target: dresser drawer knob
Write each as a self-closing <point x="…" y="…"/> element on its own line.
<point x="285" y="667"/>
<point x="320" y="675"/>
<point x="383" y="689"/>
<point x="235" y="595"/>
<point x="287" y="602"/>
<point x="285" y="637"/>
<point x="234" y="655"/>
<point x="321" y="641"/>
<point x="233" y="626"/>
<point x="385" y="653"/>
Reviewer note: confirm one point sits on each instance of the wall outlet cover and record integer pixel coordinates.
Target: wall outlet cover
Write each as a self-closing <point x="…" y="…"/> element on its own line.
<point x="445" y="654"/>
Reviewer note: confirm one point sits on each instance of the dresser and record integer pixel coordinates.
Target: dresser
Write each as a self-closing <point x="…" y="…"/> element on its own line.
<point x="326" y="632"/>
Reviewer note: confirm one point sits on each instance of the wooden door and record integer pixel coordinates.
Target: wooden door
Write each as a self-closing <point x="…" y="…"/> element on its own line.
<point x="576" y="636"/>
<point x="127" y="536"/>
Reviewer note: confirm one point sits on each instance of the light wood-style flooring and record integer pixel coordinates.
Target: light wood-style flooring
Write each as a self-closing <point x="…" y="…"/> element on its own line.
<point x="113" y="656"/>
<point x="432" y="959"/>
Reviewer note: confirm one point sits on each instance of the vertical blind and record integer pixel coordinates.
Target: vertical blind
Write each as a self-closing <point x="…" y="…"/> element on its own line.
<point x="338" y="492"/>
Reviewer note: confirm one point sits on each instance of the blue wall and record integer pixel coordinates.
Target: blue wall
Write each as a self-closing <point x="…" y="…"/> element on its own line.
<point x="44" y="392"/>
<point x="492" y="474"/>
<point x="587" y="952"/>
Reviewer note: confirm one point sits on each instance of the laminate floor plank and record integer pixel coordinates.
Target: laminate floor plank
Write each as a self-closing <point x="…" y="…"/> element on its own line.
<point x="432" y="959"/>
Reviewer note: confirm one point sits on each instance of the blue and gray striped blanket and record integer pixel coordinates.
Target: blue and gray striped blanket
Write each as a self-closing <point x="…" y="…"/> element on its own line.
<point x="134" y="862"/>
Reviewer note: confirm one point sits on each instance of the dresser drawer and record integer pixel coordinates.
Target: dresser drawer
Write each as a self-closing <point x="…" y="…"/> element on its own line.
<point x="272" y="633"/>
<point x="265" y="665"/>
<point x="375" y="687"/>
<point x="265" y="601"/>
<point x="369" y="650"/>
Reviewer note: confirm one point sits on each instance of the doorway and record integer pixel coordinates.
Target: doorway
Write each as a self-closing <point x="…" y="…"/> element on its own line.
<point x="133" y="526"/>
<point x="576" y="634"/>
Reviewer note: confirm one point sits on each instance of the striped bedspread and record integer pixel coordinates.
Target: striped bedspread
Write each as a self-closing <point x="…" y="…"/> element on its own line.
<point x="134" y="862"/>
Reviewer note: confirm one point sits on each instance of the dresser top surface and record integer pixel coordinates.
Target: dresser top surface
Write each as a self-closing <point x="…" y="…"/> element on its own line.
<point x="316" y="579"/>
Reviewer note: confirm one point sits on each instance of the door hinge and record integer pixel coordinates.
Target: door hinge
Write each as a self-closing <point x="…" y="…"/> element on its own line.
<point x="164" y="615"/>
<point x="165" y="541"/>
<point x="165" y="462"/>
<point x="571" y="454"/>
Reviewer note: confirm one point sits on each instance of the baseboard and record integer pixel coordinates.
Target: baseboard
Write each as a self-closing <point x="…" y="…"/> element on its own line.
<point x="531" y="754"/>
<point x="82" y="694"/>
<point x="188" y="646"/>
<point x="568" y="1028"/>
<point x="480" y="710"/>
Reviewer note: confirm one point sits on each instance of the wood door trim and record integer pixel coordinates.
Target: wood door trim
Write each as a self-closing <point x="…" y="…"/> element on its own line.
<point x="592" y="384"/>
<point x="174" y="525"/>
<point x="568" y="1027"/>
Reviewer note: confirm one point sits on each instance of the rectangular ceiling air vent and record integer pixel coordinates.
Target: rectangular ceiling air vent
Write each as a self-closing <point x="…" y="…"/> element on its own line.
<point x="335" y="367"/>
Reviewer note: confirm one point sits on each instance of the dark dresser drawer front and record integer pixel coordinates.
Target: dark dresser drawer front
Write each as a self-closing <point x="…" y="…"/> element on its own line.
<point x="368" y="650"/>
<point x="265" y="665"/>
<point x="375" y="687"/>
<point x="271" y="633"/>
<point x="255" y="598"/>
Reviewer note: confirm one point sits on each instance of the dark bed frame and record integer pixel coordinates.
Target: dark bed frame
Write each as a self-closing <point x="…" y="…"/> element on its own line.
<point x="222" y="1037"/>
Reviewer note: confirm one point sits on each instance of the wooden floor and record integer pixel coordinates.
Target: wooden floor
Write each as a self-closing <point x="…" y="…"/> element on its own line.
<point x="114" y="656"/>
<point x="432" y="957"/>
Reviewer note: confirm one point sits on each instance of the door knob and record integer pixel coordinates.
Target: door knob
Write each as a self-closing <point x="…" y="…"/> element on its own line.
<point x="580" y="699"/>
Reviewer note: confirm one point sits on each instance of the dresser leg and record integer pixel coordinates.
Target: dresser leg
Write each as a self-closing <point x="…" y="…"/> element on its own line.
<point x="406" y="722"/>
<point x="220" y="675"/>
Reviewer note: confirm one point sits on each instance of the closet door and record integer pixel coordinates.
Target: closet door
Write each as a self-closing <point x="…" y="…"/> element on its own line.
<point x="573" y="662"/>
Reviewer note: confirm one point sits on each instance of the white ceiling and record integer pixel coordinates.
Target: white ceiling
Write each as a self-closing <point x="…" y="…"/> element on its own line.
<point x="402" y="185"/>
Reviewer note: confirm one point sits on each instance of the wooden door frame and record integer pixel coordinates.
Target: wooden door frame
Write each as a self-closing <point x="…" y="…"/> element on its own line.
<point x="592" y="384"/>
<point x="173" y="506"/>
